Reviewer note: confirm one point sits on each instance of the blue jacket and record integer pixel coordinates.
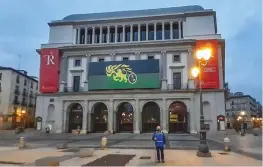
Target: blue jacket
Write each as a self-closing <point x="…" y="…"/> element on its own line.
<point x="160" y="139"/>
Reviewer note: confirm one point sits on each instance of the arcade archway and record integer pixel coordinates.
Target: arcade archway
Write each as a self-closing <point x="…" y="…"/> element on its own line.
<point x="124" y="117"/>
<point x="178" y="117"/>
<point x="100" y="117"/>
<point x="150" y="117"/>
<point x="75" y="117"/>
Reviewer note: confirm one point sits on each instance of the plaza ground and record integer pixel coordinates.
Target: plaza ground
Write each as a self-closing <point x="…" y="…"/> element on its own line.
<point x="172" y="157"/>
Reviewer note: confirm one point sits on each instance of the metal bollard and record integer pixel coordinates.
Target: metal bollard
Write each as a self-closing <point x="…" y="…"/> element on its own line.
<point x="104" y="143"/>
<point x="22" y="142"/>
<point x="226" y="143"/>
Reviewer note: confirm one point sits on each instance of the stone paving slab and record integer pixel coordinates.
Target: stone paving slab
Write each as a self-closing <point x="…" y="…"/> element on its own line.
<point x="134" y="144"/>
<point x="28" y="155"/>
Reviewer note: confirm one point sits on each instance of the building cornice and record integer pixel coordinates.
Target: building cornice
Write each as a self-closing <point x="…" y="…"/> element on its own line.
<point x="113" y="92"/>
<point x="119" y="20"/>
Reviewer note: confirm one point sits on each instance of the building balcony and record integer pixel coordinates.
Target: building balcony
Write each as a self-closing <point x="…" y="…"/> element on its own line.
<point x="25" y="93"/>
<point x="17" y="92"/>
<point x="23" y="103"/>
<point x="72" y="89"/>
<point x="16" y="102"/>
<point x="31" y="96"/>
<point x="31" y="105"/>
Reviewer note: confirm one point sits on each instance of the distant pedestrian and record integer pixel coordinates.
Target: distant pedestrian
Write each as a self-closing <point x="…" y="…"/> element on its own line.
<point x="159" y="139"/>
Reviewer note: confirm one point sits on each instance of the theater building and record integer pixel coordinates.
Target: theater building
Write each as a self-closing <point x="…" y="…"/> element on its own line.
<point x="129" y="71"/>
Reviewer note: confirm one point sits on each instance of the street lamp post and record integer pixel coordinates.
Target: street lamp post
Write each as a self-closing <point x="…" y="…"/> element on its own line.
<point x="243" y="113"/>
<point x="203" y="56"/>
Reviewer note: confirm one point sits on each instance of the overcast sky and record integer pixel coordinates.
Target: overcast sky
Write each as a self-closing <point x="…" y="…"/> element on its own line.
<point x="24" y="27"/>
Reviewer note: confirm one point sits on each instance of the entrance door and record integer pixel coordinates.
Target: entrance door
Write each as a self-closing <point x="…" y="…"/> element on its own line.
<point x="76" y="83"/>
<point x="178" y="118"/>
<point x="125" y="118"/>
<point x="177" y="80"/>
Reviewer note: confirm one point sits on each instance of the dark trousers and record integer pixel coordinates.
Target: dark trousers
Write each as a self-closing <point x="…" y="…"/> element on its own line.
<point x="158" y="150"/>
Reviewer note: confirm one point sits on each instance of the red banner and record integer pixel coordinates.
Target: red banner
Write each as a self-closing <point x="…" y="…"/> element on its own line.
<point x="210" y="73"/>
<point x="49" y="70"/>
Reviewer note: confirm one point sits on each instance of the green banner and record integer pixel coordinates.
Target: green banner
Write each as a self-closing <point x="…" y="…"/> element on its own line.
<point x="134" y="81"/>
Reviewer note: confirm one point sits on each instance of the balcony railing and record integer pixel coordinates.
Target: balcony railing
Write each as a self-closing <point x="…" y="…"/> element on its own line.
<point x="16" y="101"/>
<point x="23" y="103"/>
<point x="179" y="87"/>
<point x="17" y="92"/>
<point x="72" y="89"/>
<point x="25" y="93"/>
<point x="31" y="105"/>
<point x="31" y="96"/>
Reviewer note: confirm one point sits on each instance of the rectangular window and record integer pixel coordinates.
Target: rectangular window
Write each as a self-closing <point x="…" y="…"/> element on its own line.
<point x="182" y="34"/>
<point x="17" y="79"/>
<point x="151" y="32"/>
<point x="82" y="36"/>
<point x="104" y="34"/>
<point x="125" y="58"/>
<point x="16" y="98"/>
<point x="177" y="80"/>
<point x="89" y="36"/>
<point x="101" y="60"/>
<point x="76" y="83"/>
<point x="159" y="31"/>
<point x="175" y="30"/>
<point x="77" y="63"/>
<point x="119" y="34"/>
<point x="0" y="87"/>
<point x="150" y="57"/>
<point x="0" y="76"/>
<point x="97" y="35"/>
<point x="176" y="58"/>
<point x="112" y="34"/>
<point x="31" y="85"/>
<point x="127" y="33"/>
<point x="135" y="33"/>
<point x="25" y="82"/>
<point x="167" y="31"/>
<point x="143" y="33"/>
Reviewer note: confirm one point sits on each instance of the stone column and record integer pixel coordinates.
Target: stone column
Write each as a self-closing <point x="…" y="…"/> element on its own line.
<point x="100" y="34"/>
<point x="78" y="42"/>
<point x="147" y="30"/>
<point x="131" y="33"/>
<point x="193" y="116"/>
<point x="123" y="33"/>
<point x="137" y="117"/>
<point x="84" y="121"/>
<point x="164" y="117"/>
<point x="154" y="25"/>
<point x="63" y="75"/>
<point x="163" y="70"/>
<point x="58" y="124"/>
<point x="110" y="116"/>
<point x="179" y="27"/>
<point x="137" y="55"/>
<point x="116" y="31"/>
<point x="162" y="30"/>
<point x="108" y="34"/>
<point x="86" y="86"/>
<point x="93" y="35"/>
<point x="139" y="32"/>
<point x="171" y="30"/>
<point x="62" y="86"/>
<point x="86" y="35"/>
<point x="112" y="56"/>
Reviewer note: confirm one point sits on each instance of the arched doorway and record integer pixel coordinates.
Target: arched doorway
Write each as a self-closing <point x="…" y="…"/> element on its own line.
<point x="150" y="117"/>
<point x="178" y="117"/>
<point x="100" y="117"/>
<point x="124" y="117"/>
<point x="51" y="116"/>
<point x="75" y="117"/>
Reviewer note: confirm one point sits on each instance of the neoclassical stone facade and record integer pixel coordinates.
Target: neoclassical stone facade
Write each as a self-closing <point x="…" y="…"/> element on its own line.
<point x="60" y="113"/>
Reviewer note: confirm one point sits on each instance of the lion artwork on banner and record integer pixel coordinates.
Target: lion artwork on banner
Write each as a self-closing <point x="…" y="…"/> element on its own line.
<point x="121" y="73"/>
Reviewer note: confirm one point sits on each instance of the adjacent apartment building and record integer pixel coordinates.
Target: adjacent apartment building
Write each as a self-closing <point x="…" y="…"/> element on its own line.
<point x="238" y="102"/>
<point x="17" y="98"/>
<point x="129" y="71"/>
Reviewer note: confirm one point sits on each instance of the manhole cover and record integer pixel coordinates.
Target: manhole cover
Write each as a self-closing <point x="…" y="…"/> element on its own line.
<point x="223" y="153"/>
<point x="145" y="157"/>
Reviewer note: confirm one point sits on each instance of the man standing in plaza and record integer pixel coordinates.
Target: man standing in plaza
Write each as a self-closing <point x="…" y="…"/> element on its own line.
<point x="159" y="139"/>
